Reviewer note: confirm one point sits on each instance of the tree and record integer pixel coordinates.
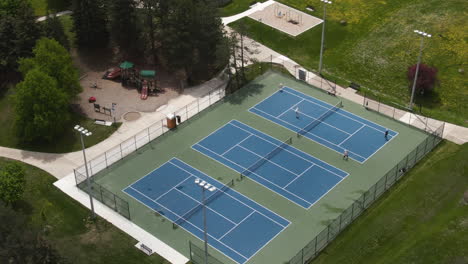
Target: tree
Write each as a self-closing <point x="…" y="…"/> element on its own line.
<point x="90" y="24"/>
<point x="123" y="24"/>
<point x="191" y="34"/>
<point x="41" y="108"/>
<point x="18" y="32"/>
<point x="53" y="29"/>
<point x="12" y="183"/>
<point x="54" y="60"/>
<point x="21" y="243"/>
<point x="427" y="78"/>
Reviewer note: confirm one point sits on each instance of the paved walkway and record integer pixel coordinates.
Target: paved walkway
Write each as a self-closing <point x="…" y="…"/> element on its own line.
<point x="60" y="165"/>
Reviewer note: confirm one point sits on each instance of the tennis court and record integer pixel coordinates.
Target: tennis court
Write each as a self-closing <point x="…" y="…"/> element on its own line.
<point x="328" y="125"/>
<point x="293" y="174"/>
<point x="237" y="226"/>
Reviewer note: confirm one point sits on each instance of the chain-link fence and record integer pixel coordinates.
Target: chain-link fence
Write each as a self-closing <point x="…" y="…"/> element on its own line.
<point x="419" y="121"/>
<point x="103" y="195"/>
<point x="197" y="255"/>
<point x="313" y="248"/>
<point x="133" y="144"/>
<point x="300" y="73"/>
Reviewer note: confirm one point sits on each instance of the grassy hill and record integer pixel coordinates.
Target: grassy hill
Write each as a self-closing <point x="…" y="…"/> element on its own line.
<point x="377" y="45"/>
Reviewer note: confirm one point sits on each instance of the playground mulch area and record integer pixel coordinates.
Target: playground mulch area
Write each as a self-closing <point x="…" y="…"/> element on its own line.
<point x="127" y="99"/>
<point x="287" y="19"/>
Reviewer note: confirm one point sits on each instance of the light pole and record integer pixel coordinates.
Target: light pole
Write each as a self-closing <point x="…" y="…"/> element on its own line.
<point x="205" y="186"/>
<point x="87" y="133"/>
<point x="423" y="35"/>
<point x="325" y="3"/>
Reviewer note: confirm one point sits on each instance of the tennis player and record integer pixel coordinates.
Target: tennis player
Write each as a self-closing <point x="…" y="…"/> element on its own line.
<point x="297" y="112"/>
<point x="386" y="134"/>
<point x="345" y="154"/>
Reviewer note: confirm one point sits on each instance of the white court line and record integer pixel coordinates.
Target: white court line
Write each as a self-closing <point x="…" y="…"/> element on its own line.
<point x="293" y="180"/>
<point x="193" y="226"/>
<point x="306" y="134"/>
<point x="254" y="210"/>
<point x="267" y="160"/>
<point x="351" y="135"/>
<point x="293" y="152"/>
<point x="356" y="116"/>
<point x="237" y="144"/>
<point x="290" y="108"/>
<point x="358" y="121"/>
<point x="169" y="189"/>
<point x="198" y="203"/>
<point x="259" y="205"/>
<point x="322" y="122"/>
<point x="236" y="225"/>
<point x="259" y="177"/>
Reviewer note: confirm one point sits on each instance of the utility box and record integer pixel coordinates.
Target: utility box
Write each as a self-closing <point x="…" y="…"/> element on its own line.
<point x="171" y="121"/>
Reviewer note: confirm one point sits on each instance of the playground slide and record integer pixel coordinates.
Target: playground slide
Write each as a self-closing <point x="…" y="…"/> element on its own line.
<point x="144" y="92"/>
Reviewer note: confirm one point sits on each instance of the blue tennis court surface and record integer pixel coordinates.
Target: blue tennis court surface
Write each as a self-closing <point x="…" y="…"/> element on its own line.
<point x="237" y="226"/>
<point x="339" y="131"/>
<point x="290" y="172"/>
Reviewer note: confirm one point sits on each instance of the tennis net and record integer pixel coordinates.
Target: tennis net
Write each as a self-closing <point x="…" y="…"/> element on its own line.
<point x="192" y="211"/>
<point x="319" y="119"/>
<point x="268" y="156"/>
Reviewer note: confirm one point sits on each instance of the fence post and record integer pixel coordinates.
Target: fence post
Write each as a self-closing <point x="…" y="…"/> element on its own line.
<point x="149" y="138"/>
<point x="328" y="233"/>
<point x="190" y="249"/>
<point x="271" y="62"/>
<point x="209" y="99"/>
<point x="364" y="201"/>
<point x="340" y="221"/>
<point x="121" y="152"/>
<point x="115" y="202"/>
<point x="386" y="175"/>
<point x="186" y="112"/>
<point x="90" y="168"/>
<point x="102" y="199"/>
<point x="378" y="106"/>
<point x="393" y="116"/>
<point x="352" y="211"/>
<point x="198" y="106"/>
<point x="375" y="190"/>
<point x="105" y="157"/>
<point x="315" y="248"/>
<point x="134" y="140"/>
<point x="302" y="255"/>
<point x="425" y="126"/>
<point x="416" y="155"/>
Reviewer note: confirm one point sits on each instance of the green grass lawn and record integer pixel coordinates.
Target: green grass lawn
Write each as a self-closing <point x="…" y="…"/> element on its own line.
<point x="76" y="238"/>
<point x="70" y="141"/>
<point x="421" y="220"/>
<point x="377" y="46"/>
<point x="236" y="6"/>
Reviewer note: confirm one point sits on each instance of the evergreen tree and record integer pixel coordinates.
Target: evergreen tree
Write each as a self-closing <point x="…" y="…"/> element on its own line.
<point x="90" y="26"/>
<point x="123" y="24"/>
<point x="53" y="29"/>
<point x="18" y="32"/>
<point x="191" y="35"/>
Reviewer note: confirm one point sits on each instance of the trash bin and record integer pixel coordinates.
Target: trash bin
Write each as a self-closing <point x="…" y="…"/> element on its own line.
<point x="179" y="119"/>
<point x="171" y="121"/>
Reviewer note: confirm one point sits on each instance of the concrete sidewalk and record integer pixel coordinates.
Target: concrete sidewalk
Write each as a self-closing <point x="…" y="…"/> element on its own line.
<point x="60" y="165"/>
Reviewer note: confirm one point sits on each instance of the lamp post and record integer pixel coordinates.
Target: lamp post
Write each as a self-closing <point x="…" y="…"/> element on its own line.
<point x="87" y="133"/>
<point x="423" y="35"/>
<point x="205" y="186"/>
<point x="325" y="3"/>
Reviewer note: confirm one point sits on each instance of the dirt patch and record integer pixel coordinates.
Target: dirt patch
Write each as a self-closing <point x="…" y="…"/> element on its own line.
<point x="465" y="198"/>
<point x="286" y="19"/>
<point x="92" y="68"/>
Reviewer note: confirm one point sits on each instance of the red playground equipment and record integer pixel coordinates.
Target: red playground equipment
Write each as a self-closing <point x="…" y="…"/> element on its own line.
<point x="144" y="90"/>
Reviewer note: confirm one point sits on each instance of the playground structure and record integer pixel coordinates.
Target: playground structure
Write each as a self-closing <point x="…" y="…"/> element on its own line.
<point x="293" y="17"/>
<point x="144" y="80"/>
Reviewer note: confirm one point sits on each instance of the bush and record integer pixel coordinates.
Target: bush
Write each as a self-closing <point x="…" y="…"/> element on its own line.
<point x="427" y="78"/>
